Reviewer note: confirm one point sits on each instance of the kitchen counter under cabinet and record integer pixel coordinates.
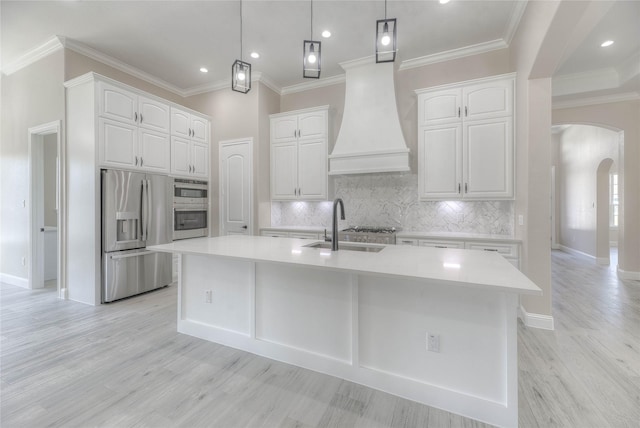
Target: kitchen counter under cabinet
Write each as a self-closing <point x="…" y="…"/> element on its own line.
<point x="364" y="317"/>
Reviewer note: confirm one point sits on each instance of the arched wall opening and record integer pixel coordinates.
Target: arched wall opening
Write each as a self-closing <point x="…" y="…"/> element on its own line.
<point x="584" y="156"/>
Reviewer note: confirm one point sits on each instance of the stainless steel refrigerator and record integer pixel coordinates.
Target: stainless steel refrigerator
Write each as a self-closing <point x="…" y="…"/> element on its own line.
<point x="136" y="212"/>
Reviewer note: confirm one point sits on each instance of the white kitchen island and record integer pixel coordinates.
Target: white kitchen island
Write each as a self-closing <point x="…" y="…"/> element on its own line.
<point x="364" y="316"/>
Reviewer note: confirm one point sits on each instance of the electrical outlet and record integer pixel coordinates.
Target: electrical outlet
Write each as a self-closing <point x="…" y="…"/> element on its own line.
<point x="433" y="342"/>
<point x="521" y="220"/>
<point x="207" y="296"/>
<point x="24" y="261"/>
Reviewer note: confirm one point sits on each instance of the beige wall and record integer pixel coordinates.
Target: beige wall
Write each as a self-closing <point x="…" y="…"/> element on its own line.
<point x="268" y="103"/>
<point x="582" y="149"/>
<point x="30" y="97"/>
<point x="622" y="116"/>
<point x="76" y="64"/>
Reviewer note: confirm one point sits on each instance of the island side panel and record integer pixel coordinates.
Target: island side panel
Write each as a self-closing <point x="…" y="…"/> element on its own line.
<point x="304" y="309"/>
<point x="230" y="284"/>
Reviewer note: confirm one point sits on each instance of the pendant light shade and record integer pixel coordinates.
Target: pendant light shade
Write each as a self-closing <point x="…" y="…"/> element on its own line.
<point x="240" y="70"/>
<point x="311" y="59"/>
<point x="386" y="39"/>
<point x="311" y="50"/>
<point x="241" y="76"/>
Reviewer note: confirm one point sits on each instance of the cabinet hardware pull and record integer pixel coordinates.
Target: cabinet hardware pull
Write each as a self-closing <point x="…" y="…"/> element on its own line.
<point x="141" y="118"/>
<point x="140" y="161"/>
<point x="490" y="249"/>
<point x="458" y="111"/>
<point x="466" y="188"/>
<point x="135" y="116"/>
<point x="136" y="160"/>
<point x="466" y="113"/>
<point x="441" y="246"/>
<point x="458" y="187"/>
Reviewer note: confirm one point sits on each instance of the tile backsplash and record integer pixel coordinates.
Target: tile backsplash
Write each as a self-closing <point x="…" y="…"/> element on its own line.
<point x="392" y="200"/>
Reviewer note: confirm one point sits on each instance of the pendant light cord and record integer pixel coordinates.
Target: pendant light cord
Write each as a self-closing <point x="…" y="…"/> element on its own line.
<point x="241" y="30"/>
<point x="311" y="36"/>
<point x="385" y="9"/>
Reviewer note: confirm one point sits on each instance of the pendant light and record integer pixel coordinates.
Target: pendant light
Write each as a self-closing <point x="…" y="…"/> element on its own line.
<point x="240" y="70"/>
<point x="386" y="38"/>
<point x="311" y="55"/>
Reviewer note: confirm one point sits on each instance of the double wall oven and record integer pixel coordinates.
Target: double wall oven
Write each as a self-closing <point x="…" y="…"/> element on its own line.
<point x="190" y="208"/>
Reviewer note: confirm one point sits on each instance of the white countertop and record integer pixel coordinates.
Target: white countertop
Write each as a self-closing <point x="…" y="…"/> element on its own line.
<point x="459" y="267"/>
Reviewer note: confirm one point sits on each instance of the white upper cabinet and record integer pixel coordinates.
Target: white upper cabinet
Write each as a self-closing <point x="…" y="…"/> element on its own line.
<point x="437" y="108"/>
<point x="189" y="144"/>
<point x="299" y="144"/>
<point x="134" y="130"/>
<point x="488" y="100"/>
<point x="465" y="141"/>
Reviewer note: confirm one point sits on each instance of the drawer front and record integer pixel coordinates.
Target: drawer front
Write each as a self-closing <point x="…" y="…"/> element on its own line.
<point x="406" y="241"/>
<point x="302" y="235"/>
<point x="274" y="234"/>
<point x="440" y="244"/>
<point x="507" y="250"/>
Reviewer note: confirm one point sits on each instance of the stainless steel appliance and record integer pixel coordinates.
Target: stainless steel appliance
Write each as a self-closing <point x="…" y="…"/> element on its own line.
<point x="190" y="208"/>
<point x="369" y="234"/>
<point x="136" y="212"/>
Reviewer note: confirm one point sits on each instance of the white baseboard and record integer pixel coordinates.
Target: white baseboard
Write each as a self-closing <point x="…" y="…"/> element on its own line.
<point x="543" y="322"/>
<point x="576" y="252"/>
<point x="555" y="246"/>
<point x="14" y="280"/>
<point x="628" y="275"/>
<point x="604" y="261"/>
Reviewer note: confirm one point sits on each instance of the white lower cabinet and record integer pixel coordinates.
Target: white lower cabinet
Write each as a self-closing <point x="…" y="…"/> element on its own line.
<point x="440" y="244"/>
<point x="297" y="235"/>
<point x="508" y="251"/>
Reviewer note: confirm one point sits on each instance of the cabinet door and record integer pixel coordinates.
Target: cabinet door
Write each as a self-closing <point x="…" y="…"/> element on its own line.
<point x="200" y="129"/>
<point x="284" y="171"/>
<point x="180" y="123"/>
<point x="200" y="159"/>
<point x="439" y="107"/>
<point x="118" y="143"/>
<point x="313" y="124"/>
<point x="488" y="100"/>
<point x="154" y="151"/>
<point x="117" y="103"/>
<point x="434" y="243"/>
<point x="180" y="152"/>
<point x="312" y="169"/>
<point x="284" y="129"/>
<point x="488" y="159"/>
<point x="153" y="114"/>
<point x="440" y="162"/>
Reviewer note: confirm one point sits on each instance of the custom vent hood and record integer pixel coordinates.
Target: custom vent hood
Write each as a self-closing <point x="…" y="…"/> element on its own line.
<point x="370" y="137"/>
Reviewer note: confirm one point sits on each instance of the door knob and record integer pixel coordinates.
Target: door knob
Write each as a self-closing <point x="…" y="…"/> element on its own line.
<point x="244" y="227"/>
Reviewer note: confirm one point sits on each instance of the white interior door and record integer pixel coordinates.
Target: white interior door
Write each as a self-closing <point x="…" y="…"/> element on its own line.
<point x="236" y="193"/>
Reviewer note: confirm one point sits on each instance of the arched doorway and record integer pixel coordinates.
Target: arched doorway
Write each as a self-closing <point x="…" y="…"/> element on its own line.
<point x="584" y="157"/>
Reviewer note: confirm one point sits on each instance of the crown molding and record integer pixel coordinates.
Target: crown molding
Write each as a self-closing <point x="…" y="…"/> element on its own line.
<point x="576" y="83"/>
<point x="266" y="81"/>
<point x="320" y="83"/>
<point x="220" y="85"/>
<point x="453" y="54"/>
<point x="85" y="50"/>
<point x="629" y="69"/>
<point x="52" y="45"/>
<point x="516" y="16"/>
<point x="605" y="99"/>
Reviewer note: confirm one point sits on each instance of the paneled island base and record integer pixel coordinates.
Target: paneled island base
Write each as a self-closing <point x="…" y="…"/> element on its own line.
<point x="368" y="328"/>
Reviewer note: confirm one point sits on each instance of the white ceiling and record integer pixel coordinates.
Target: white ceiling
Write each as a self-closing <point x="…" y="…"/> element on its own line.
<point x="171" y="40"/>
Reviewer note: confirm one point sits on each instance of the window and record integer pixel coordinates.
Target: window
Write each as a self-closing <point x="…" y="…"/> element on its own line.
<point x="613" y="202"/>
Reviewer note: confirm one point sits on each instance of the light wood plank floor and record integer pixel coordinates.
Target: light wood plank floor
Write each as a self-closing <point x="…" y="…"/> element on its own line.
<point x="124" y="365"/>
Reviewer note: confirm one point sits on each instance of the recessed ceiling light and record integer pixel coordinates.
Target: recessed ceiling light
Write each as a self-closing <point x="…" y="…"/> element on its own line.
<point x="255" y="55"/>
<point x="204" y="70"/>
<point x="326" y="34"/>
<point x="607" y="43"/>
<point x="444" y="1"/>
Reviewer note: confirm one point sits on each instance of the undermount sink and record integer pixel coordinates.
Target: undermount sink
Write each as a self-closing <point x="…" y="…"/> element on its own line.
<point x="348" y="246"/>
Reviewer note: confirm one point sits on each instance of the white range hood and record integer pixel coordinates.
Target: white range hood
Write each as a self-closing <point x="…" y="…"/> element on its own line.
<point x="370" y="137"/>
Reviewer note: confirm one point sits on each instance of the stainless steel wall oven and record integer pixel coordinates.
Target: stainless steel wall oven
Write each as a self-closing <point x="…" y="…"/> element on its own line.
<point x="190" y="208"/>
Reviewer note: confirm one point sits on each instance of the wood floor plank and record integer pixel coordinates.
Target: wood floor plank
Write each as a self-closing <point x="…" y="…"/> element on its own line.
<point x="124" y="365"/>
